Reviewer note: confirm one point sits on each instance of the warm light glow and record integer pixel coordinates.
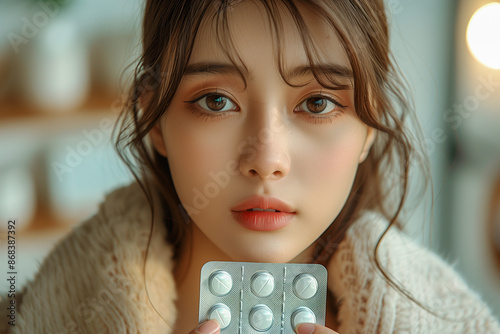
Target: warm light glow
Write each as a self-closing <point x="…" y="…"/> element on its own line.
<point x="483" y="35"/>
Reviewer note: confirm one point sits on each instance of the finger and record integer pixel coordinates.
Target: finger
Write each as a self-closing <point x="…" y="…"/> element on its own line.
<point x="207" y="327"/>
<point x="306" y="328"/>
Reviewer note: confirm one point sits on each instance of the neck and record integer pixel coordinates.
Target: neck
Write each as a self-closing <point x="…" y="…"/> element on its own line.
<point x="196" y="251"/>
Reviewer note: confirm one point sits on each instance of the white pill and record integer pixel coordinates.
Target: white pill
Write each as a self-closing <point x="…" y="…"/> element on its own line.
<point x="262" y="284"/>
<point x="220" y="283"/>
<point x="305" y="286"/>
<point x="301" y="315"/>
<point x="221" y="313"/>
<point x="261" y="318"/>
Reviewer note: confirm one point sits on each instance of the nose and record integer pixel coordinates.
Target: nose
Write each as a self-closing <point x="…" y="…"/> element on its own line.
<point x="265" y="154"/>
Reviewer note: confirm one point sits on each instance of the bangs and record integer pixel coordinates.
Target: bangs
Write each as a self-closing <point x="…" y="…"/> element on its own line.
<point x="363" y="40"/>
<point x="279" y="15"/>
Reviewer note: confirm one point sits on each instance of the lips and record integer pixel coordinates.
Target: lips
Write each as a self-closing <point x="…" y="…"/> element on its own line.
<point x="263" y="203"/>
<point x="263" y="214"/>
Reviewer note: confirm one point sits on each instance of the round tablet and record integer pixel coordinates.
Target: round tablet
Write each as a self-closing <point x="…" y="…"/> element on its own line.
<point x="261" y="318"/>
<point x="262" y="284"/>
<point x="221" y="313"/>
<point x="301" y="315"/>
<point x="220" y="283"/>
<point x="305" y="286"/>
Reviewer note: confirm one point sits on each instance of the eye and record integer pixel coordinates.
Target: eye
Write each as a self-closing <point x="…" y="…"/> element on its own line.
<point x="215" y="102"/>
<point x="318" y="105"/>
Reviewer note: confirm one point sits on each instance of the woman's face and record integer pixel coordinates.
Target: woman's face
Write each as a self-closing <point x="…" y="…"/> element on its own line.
<point x="267" y="146"/>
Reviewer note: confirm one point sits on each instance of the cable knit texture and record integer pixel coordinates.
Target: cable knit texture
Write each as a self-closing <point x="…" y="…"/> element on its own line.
<point x="369" y="304"/>
<point x="93" y="281"/>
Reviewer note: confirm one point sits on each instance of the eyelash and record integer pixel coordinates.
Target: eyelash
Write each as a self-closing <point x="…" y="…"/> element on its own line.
<point x="208" y="116"/>
<point x="329" y="117"/>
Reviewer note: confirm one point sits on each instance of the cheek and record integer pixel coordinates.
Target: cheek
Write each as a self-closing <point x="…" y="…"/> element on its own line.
<point x="329" y="168"/>
<point x="334" y="156"/>
<point x="193" y="156"/>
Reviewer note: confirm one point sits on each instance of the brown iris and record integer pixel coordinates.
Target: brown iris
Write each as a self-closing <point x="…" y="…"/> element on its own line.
<point x="216" y="102"/>
<point x="316" y="104"/>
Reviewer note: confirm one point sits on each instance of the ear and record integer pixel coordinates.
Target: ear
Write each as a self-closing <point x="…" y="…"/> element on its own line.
<point x="156" y="137"/>
<point x="370" y="138"/>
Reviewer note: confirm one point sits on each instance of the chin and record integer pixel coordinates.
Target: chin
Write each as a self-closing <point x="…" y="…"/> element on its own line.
<point x="262" y="255"/>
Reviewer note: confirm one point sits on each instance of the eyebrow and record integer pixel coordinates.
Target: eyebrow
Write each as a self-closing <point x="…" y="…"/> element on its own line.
<point x="299" y="71"/>
<point x="331" y="69"/>
<point x="214" y="68"/>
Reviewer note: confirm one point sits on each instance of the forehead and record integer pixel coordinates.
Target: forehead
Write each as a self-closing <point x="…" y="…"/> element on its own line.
<point x="251" y="32"/>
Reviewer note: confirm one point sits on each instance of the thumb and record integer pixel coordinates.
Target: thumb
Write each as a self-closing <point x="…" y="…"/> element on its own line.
<point x="307" y="328"/>
<point x="207" y="327"/>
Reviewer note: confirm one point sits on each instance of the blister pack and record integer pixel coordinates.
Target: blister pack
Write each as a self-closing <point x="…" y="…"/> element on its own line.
<point x="247" y="297"/>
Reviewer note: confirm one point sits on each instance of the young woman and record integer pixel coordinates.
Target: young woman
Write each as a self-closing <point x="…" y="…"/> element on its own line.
<point x="262" y="131"/>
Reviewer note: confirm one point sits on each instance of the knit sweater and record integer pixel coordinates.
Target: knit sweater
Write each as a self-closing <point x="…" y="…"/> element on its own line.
<point x="93" y="281"/>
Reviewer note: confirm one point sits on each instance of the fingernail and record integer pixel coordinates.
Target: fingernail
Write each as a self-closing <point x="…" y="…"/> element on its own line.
<point x="208" y="327"/>
<point x="305" y="328"/>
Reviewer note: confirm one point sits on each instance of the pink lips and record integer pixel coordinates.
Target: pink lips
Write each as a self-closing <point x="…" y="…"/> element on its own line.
<point x="263" y="220"/>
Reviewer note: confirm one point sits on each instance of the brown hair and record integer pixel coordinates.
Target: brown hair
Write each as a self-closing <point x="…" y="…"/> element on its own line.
<point x="169" y="31"/>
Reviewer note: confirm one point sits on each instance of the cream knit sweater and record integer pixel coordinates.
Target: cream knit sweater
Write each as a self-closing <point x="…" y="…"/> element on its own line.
<point x="93" y="282"/>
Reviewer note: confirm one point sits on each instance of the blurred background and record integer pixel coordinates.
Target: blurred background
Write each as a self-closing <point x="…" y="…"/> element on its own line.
<point x="65" y="68"/>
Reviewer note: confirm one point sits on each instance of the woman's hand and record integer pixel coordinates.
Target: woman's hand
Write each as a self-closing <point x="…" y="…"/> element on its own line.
<point x="207" y="327"/>
<point x="306" y="328"/>
<point x="212" y="327"/>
